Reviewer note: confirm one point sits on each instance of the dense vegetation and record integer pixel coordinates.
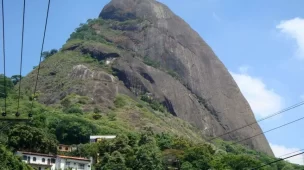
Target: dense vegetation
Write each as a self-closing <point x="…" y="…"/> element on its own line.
<point x="10" y="162"/>
<point x="143" y="149"/>
<point x="148" y="137"/>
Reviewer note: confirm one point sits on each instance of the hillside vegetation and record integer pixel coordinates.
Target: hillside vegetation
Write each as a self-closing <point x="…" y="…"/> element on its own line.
<point x="148" y="136"/>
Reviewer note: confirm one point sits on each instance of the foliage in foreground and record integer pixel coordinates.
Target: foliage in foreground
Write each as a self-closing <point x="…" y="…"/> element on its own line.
<point x="10" y="162"/>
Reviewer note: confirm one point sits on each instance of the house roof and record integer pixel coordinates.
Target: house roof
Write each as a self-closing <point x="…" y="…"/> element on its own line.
<point x="75" y="158"/>
<point x="64" y="145"/>
<point x="37" y="154"/>
<point x="103" y="137"/>
<point x="54" y="156"/>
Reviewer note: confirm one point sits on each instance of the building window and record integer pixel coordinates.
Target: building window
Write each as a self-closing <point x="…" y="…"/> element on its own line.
<point x="81" y="166"/>
<point x="39" y="168"/>
<point x="24" y="157"/>
<point x="34" y="159"/>
<point x="43" y="160"/>
<point x="66" y="148"/>
<point x="67" y="163"/>
<point x="60" y="147"/>
<point x="53" y="161"/>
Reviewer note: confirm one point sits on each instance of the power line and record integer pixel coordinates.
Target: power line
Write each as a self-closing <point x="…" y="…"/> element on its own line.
<point x="282" y="159"/>
<point x="265" y="118"/>
<point x="42" y="46"/>
<point x="21" y="56"/>
<point x="291" y="153"/>
<point x="3" y="46"/>
<point x="269" y="130"/>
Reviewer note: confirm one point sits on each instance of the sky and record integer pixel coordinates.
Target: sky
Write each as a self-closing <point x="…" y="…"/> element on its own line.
<point x="260" y="42"/>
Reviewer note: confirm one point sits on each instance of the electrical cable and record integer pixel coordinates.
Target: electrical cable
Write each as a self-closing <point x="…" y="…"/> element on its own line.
<point x="42" y="46"/>
<point x="291" y="153"/>
<point x="282" y="159"/>
<point x="269" y="130"/>
<point x="21" y="57"/>
<point x="265" y="118"/>
<point x="3" y="50"/>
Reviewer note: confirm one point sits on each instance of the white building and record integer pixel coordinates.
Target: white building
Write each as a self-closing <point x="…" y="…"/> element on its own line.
<point x="94" y="139"/>
<point x="55" y="162"/>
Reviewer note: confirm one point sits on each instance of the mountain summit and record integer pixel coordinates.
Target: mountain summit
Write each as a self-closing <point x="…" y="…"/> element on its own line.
<point x="145" y="50"/>
<point x="205" y="94"/>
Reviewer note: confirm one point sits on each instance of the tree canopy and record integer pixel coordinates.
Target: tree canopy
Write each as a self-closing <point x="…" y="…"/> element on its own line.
<point x="27" y="138"/>
<point x="9" y="161"/>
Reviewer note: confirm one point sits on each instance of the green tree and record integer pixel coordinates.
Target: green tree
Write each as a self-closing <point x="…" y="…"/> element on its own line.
<point x="148" y="157"/>
<point x="16" y="79"/>
<point x="72" y="130"/>
<point x="187" y="166"/>
<point x="231" y="162"/>
<point x="119" y="102"/>
<point x="26" y="138"/>
<point x="115" y="161"/>
<point x="181" y="143"/>
<point x="288" y="167"/>
<point x="200" y="156"/>
<point x="164" y="141"/>
<point x="47" y="54"/>
<point x="10" y="161"/>
<point x="5" y="82"/>
<point x="86" y="150"/>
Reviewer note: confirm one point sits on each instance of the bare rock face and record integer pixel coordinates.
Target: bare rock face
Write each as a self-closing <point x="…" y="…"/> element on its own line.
<point x="205" y="94"/>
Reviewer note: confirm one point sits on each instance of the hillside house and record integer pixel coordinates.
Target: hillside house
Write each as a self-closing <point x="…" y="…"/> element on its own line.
<point x="53" y="162"/>
<point x="94" y="139"/>
<point x="66" y="148"/>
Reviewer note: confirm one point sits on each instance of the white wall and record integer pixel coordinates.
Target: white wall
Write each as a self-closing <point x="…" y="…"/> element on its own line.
<point x="61" y="163"/>
<point x="38" y="160"/>
<point x="71" y="163"/>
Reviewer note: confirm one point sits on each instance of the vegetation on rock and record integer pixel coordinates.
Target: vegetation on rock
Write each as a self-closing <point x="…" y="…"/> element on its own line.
<point x="150" y="143"/>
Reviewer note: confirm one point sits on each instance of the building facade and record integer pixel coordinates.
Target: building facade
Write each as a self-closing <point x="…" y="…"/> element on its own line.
<point x="66" y="148"/>
<point x="94" y="139"/>
<point x="55" y="162"/>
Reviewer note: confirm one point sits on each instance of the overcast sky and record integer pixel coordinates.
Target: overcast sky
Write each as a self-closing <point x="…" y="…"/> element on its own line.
<point x="260" y="42"/>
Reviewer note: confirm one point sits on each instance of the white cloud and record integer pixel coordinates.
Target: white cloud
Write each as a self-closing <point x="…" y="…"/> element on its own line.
<point x="263" y="101"/>
<point x="282" y="151"/>
<point x="294" y="28"/>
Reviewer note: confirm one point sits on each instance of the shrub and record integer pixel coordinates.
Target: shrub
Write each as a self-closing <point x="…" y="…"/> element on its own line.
<point x="97" y="110"/>
<point x="74" y="109"/>
<point x="65" y="102"/>
<point x="83" y="100"/>
<point x="154" y="104"/>
<point x="112" y="116"/>
<point x="139" y="105"/>
<point x="173" y="74"/>
<point x="119" y="102"/>
<point x="97" y="116"/>
<point x="151" y="63"/>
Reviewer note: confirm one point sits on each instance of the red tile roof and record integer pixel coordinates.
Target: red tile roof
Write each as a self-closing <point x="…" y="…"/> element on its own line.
<point x="38" y="154"/>
<point x="71" y="157"/>
<point x="54" y="156"/>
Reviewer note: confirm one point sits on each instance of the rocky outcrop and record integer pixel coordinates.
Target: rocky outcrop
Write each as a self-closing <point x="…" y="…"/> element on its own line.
<point x="141" y="47"/>
<point x="204" y="93"/>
